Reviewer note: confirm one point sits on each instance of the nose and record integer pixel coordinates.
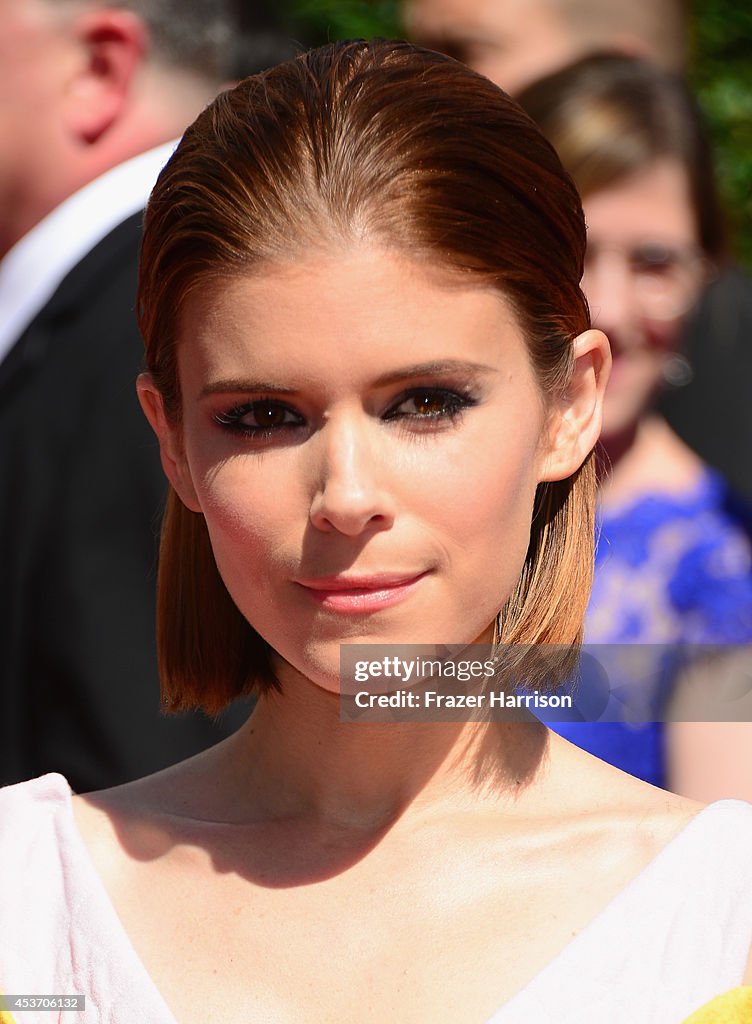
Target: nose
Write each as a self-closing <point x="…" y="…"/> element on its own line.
<point x="610" y="291"/>
<point x="350" y="496"/>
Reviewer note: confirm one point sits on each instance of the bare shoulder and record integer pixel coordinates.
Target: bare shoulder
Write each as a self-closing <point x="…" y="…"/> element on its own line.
<point x="114" y="831"/>
<point x="629" y="818"/>
<point x="135" y="822"/>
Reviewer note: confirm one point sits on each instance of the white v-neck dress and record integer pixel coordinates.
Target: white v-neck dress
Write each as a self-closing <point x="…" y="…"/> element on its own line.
<point x="677" y="935"/>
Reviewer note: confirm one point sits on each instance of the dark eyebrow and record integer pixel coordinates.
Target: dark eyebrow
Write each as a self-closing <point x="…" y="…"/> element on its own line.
<point x="439" y="368"/>
<point x="231" y="384"/>
<point x="443" y="367"/>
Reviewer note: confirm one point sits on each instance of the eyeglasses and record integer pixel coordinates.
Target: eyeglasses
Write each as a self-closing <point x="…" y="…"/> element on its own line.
<point x="666" y="279"/>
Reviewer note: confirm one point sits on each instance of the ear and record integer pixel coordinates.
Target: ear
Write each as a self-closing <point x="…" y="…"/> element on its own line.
<point x="575" y="421"/>
<point x="170" y="443"/>
<point x="112" y="46"/>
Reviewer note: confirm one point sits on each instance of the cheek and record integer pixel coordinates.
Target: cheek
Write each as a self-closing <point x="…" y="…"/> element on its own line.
<point x="486" y="495"/>
<point x="484" y="507"/>
<point x="250" y="519"/>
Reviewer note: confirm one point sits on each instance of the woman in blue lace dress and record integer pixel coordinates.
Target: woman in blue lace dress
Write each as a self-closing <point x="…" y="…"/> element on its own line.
<point x="673" y="563"/>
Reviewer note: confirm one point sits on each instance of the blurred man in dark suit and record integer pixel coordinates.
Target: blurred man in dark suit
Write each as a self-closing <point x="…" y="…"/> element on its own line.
<point x="92" y="96"/>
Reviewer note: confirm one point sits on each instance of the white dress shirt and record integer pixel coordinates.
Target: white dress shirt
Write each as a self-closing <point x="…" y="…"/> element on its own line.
<point x="32" y="270"/>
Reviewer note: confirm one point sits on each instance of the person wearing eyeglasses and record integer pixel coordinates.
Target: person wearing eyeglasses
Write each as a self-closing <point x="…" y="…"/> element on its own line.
<point x="673" y="566"/>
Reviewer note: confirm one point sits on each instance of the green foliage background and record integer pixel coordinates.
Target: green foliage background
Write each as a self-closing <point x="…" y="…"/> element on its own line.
<point x="720" y="71"/>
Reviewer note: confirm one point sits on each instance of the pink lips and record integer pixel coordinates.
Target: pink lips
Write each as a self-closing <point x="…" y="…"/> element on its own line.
<point x="359" y="594"/>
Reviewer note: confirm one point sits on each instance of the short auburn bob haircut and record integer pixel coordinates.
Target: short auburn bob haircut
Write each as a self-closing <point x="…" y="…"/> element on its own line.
<point x="379" y="141"/>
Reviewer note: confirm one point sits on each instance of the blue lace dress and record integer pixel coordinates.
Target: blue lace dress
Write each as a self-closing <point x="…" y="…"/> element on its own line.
<point x="670" y="570"/>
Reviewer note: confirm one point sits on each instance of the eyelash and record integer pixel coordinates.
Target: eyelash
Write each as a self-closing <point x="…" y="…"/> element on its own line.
<point x="454" y="404"/>
<point x="232" y="419"/>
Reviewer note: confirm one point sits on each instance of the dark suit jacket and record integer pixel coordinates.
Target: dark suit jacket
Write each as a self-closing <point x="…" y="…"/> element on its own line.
<point x="713" y="413"/>
<point x="82" y="490"/>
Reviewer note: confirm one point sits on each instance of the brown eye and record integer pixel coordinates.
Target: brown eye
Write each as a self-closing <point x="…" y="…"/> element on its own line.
<point x="261" y="417"/>
<point x="267" y="414"/>
<point x="429" y="404"/>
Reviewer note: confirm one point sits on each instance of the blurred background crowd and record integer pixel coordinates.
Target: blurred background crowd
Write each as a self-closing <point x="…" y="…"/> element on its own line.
<point x="640" y="99"/>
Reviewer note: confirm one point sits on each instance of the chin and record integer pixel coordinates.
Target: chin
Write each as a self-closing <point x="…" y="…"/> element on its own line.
<point x="318" y="665"/>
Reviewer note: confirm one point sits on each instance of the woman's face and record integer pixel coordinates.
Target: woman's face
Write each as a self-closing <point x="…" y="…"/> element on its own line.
<point x="643" y="272"/>
<point x="364" y="439"/>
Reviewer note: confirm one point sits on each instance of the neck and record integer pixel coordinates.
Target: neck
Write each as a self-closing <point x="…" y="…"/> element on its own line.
<point x="296" y="759"/>
<point x="649" y="459"/>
